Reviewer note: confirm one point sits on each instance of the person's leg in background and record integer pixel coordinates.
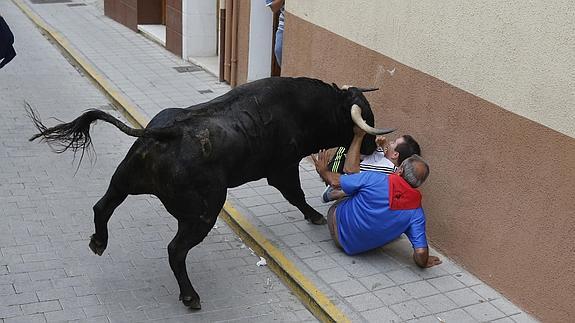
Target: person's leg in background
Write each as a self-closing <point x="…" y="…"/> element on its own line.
<point x="278" y="46"/>
<point x="7" y="52"/>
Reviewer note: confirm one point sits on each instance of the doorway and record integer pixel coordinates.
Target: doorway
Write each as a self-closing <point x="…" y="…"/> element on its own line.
<point x="152" y="20"/>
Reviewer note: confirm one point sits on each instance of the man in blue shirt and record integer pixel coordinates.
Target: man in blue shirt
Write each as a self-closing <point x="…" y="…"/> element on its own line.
<point x="380" y="207"/>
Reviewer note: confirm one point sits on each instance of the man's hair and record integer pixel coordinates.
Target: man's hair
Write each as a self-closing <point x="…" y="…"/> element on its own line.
<point x="415" y="170"/>
<point x="407" y="148"/>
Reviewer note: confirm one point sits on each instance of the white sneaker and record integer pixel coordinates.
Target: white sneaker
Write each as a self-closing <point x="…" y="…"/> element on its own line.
<point x="325" y="195"/>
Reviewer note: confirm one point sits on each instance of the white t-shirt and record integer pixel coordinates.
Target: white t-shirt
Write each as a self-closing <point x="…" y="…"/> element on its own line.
<point x="377" y="162"/>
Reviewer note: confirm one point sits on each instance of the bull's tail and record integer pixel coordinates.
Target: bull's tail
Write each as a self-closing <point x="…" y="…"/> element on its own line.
<point x="75" y="135"/>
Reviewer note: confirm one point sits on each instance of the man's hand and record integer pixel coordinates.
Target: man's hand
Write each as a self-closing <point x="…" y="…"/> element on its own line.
<point x="423" y="259"/>
<point x="432" y="261"/>
<point x="381" y="142"/>
<point x="320" y="160"/>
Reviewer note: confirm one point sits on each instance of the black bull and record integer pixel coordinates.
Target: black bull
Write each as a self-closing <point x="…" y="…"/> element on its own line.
<point x="189" y="157"/>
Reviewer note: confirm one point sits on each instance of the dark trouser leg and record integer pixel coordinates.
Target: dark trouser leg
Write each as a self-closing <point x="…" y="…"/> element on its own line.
<point x="332" y="223"/>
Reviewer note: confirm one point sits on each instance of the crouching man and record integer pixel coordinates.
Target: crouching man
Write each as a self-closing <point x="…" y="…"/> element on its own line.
<point x="379" y="207"/>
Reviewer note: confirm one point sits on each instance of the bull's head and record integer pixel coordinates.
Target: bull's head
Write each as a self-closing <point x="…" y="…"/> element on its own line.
<point x="362" y="116"/>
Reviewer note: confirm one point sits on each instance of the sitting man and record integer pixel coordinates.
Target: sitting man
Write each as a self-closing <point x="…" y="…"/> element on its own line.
<point x="384" y="159"/>
<point x="380" y="207"/>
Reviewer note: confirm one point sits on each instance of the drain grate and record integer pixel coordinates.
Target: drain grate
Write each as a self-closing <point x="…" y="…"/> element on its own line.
<point x="76" y="4"/>
<point x="187" y="69"/>
<point x="205" y="91"/>
<point x="49" y="1"/>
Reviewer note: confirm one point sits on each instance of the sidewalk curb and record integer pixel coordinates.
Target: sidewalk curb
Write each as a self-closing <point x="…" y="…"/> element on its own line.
<point x="315" y="301"/>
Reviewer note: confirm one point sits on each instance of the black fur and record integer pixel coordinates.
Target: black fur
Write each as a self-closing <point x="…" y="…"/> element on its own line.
<point x="190" y="157"/>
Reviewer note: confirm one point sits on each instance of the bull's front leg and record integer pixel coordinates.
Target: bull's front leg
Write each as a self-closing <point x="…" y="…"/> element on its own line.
<point x="286" y="180"/>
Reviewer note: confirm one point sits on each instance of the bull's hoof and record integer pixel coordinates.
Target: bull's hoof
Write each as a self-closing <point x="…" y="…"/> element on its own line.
<point x="190" y="302"/>
<point x="317" y="220"/>
<point x="96" y="246"/>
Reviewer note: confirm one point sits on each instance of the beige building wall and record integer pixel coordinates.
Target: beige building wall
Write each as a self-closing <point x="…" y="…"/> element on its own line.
<point x="517" y="54"/>
<point x="488" y="93"/>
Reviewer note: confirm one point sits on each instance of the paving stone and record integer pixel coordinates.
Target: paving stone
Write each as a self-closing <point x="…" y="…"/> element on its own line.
<point x="437" y="303"/>
<point x="382" y="314"/>
<point x="484" y="312"/>
<point x="403" y="276"/>
<point x="420" y="289"/>
<point x="465" y="297"/>
<point x="392" y="295"/>
<point x="296" y="239"/>
<point x="334" y="275"/>
<point x="35" y="318"/>
<point x="445" y="283"/>
<point x="467" y="279"/>
<point x="504" y="320"/>
<point x="364" y="302"/>
<point x="284" y="229"/>
<point x="505" y="306"/>
<point x="523" y="318"/>
<point x="65" y="315"/>
<point x="41" y="307"/>
<point x="10" y="311"/>
<point x="349" y="288"/>
<point x="319" y="263"/>
<point x="409" y="310"/>
<point x="308" y="251"/>
<point x="376" y="282"/>
<point x="457" y="315"/>
<point x="486" y="292"/>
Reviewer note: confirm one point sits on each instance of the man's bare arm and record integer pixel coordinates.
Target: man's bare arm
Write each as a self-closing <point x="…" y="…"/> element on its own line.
<point x="352" y="158"/>
<point x="276" y="5"/>
<point x="423" y="259"/>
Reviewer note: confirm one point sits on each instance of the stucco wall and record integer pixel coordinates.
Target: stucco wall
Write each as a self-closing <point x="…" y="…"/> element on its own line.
<point x="499" y="199"/>
<point x="516" y="54"/>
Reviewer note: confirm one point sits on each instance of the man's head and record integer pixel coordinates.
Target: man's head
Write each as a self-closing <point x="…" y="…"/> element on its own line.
<point x="414" y="170"/>
<point x="402" y="148"/>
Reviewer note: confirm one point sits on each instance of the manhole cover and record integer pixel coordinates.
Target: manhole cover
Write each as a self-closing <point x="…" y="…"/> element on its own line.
<point x="187" y="69"/>
<point x="76" y="4"/>
<point x="49" y="1"/>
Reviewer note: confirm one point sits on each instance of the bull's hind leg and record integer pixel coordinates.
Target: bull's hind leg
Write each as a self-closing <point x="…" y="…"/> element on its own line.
<point x="287" y="182"/>
<point x="196" y="215"/>
<point x="102" y="212"/>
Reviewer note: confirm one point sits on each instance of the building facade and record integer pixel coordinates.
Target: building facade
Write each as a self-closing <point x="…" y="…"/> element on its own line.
<point x="230" y="38"/>
<point x="487" y="89"/>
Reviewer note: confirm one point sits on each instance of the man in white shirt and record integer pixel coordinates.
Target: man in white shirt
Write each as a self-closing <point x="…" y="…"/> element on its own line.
<point x="384" y="159"/>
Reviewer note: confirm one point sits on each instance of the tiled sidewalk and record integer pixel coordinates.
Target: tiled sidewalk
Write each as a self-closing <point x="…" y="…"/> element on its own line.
<point x="382" y="285"/>
<point x="47" y="271"/>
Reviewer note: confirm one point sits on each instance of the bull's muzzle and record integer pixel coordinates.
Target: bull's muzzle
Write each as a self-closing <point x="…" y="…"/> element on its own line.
<point x="360" y="122"/>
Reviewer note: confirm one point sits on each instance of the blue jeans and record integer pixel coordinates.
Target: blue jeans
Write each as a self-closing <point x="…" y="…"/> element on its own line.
<point x="278" y="46"/>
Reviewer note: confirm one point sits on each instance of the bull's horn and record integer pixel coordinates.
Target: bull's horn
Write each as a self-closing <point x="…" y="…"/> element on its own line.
<point x="369" y="89"/>
<point x="361" y="89"/>
<point x="358" y="120"/>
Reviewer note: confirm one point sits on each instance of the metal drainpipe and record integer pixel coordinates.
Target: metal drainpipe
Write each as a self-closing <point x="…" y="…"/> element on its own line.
<point x="228" y="40"/>
<point x="234" y="67"/>
<point x="222" y="40"/>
